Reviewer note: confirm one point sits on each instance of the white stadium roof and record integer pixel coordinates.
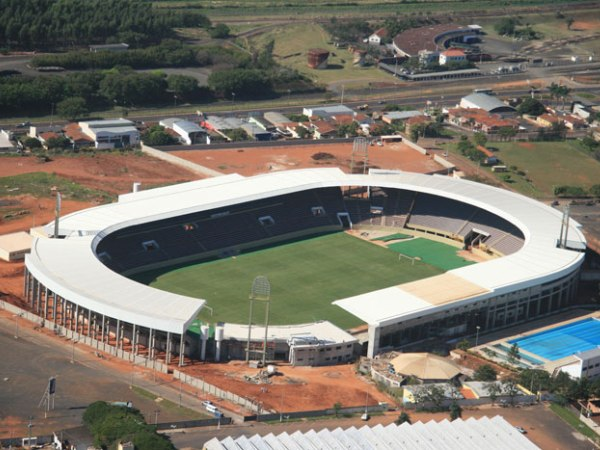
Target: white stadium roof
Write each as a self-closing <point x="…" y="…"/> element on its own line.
<point x="471" y="434"/>
<point x="70" y="266"/>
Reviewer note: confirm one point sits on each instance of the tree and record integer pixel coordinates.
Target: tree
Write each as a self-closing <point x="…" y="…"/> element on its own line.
<point x="430" y="394"/>
<point x="506" y="26"/>
<point x="72" y="108"/>
<point x="237" y="134"/>
<point x="464" y="345"/>
<point x="32" y="143"/>
<point x="507" y="133"/>
<point x="480" y="138"/>
<point x="570" y="22"/>
<point x="337" y="406"/>
<point x="494" y="390"/>
<point x="59" y="142"/>
<point x="595" y="190"/>
<point x="513" y="354"/>
<point x="242" y="83"/>
<point x="219" y="31"/>
<point x="485" y="373"/>
<point x="157" y="135"/>
<point x="510" y="389"/>
<point x="403" y="418"/>
<point x="303" y="133"/>
<point x="182" y="85"/>
<point x="455" y="411"/>
<point x="531" y="106"/>
<point x="589" y="143"/>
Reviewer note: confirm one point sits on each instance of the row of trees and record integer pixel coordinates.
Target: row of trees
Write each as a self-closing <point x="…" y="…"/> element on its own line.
<point x="47" y="24"/>
<point x="77" y="94"/>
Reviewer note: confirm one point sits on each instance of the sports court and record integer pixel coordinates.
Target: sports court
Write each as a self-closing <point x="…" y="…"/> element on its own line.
<point x="559" y="342"/>
<point x="437" y="254"/>
<point x="306" y="276"/>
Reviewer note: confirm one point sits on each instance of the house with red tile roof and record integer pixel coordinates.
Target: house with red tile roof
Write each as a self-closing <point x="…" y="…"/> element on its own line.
<point x="378" y="36"/>
<point x="452" y="55"/>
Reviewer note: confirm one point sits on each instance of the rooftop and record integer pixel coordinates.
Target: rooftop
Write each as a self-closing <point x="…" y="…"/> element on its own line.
<point x="13" y="242"/>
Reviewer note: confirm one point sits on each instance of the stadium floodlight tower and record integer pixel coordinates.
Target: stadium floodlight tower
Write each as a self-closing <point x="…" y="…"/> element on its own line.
<point x="261" y="291"/>
<point x="360" y="154"/>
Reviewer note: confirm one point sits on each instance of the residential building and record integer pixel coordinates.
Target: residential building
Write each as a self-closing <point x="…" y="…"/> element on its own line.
<point x="378" y="36"/>
<point x="488" y="103"/>
<point x="326" y="112"/>
<point x="573" y="122"/>
<point x="278" y="120"/>
<point x="548" y="120"/>
<point x="322" y="129"/>
<point x="257" y="133"/>
<point x="479" y="120"/>
<point x="114" y="133"/>
<point x="77" y="137"/>
<point x="415" y="121"/>
<point x="263" y="123"/>
<point x="187" y="132"/>
<point x="393" y="117"/>
<point x="6" y="142"/>
<point x="452" y="55"/>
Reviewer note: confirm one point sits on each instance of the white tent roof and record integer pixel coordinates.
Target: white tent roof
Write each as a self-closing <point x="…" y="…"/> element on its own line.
<point x="471" y="434"/>
<point x="78" y="273"/>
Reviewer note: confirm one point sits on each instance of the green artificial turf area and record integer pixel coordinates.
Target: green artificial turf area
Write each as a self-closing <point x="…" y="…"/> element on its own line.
<point x="392" y="237"/>
<point x="431" y="252"/>
<point x="305" y="276"/>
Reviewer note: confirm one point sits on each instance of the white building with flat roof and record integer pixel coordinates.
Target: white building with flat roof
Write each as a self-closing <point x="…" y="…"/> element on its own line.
<point x="112" y="133"/>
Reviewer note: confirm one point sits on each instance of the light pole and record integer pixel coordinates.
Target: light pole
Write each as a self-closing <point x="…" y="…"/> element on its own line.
<point x="156" y="413"/>
<point x="29" y="427"/>
<point x="342" y="99"/>
<point x="289" y="95"/>
<point x="73" y="351"/>
<point x="16" y="316"/>
<point x="232" y="101"/>
<point x="477" y="335"/>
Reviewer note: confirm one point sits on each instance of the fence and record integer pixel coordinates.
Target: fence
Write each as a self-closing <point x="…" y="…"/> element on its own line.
<point x="315" y="413"/>
<point x="59" y="330"/>
<point x="415" y="146"/>
<point x="217" y="392"/>
<point x="193" y="423"/>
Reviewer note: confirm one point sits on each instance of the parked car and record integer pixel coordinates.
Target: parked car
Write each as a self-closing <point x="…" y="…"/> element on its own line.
<point x="521" y="430"/>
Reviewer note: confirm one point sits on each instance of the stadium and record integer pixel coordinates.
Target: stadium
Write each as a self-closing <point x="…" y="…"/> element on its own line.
<point x="96" y="281"/>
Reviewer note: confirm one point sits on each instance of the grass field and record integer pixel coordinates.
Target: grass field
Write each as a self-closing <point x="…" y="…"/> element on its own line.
<point x="305" y="276"/>
<point x="548" y="164"/>
<point x="291" y="45"/>
<point x="431" y="252"/>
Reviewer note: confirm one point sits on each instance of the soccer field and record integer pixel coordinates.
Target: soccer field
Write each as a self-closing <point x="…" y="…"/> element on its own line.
<point x="306" y="276"/>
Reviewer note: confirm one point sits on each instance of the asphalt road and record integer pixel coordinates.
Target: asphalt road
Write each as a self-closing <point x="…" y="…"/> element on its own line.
<point x="28" y="362"/>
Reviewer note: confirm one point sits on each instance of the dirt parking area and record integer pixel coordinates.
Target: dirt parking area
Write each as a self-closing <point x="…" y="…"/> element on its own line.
<point x="255" y="160"/>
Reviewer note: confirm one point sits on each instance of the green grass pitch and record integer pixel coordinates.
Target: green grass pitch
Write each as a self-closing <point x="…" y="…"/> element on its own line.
<point x="431" y="252"/>
<point x="305" y="276"/>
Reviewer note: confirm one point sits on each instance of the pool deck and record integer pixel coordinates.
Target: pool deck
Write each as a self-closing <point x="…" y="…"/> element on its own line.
<point x="528" y="329"/>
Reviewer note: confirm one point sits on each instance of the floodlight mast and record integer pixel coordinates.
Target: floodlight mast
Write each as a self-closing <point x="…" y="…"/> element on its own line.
<point x="261" y="291"/>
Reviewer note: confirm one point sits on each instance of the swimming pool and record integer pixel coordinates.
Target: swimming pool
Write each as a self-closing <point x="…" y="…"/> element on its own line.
<point x="556" y="343"/>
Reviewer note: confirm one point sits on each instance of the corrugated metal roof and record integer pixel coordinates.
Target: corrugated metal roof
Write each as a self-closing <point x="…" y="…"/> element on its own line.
<point x="471" y="434"/>
<point x="486" y="102"/>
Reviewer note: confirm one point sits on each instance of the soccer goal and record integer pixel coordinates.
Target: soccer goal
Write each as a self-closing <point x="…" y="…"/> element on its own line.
<point x="410" y="258"/>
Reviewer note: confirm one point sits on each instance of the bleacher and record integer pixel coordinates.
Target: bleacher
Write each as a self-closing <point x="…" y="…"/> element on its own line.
<point x="221" y="232"/>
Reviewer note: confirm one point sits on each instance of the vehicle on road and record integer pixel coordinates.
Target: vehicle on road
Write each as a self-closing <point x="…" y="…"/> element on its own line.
<point x="521" y="430"/>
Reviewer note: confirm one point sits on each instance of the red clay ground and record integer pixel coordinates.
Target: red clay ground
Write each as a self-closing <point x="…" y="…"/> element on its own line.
<point x="110" y="172"/>
<point x="293" y="388"/>
<point x="251" y="161"/>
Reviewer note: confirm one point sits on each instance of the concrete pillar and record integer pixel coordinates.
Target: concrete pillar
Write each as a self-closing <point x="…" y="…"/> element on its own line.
<point x="76" y="325"/>
<point x="102" y="330"/>
<point x="151" y="339"/>
<point x="181" y="349"/>
<point x="204" y="338"/>
<point x="32" y="302"/>
<point x="25" y="284"/>
<point x="168" y="349"/>
<point x="45" y="302"/>
<point x="117" y="334"/>
<point x="133" y="340"/>
<point x="374" y="335"/>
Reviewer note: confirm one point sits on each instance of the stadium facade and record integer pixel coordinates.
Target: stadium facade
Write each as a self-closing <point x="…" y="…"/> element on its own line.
<point x="78" y="282"/>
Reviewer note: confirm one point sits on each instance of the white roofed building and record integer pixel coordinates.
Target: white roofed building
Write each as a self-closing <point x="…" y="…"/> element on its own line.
<point x="471" y="434"/>
<point x="327" y="112"/>
<point x="112" y="133"/>
<point x="86" y="272"/>
<point x="189" y="132"/>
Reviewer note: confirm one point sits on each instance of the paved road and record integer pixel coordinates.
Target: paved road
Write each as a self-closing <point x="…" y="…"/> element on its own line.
<point x="28" y="362"/>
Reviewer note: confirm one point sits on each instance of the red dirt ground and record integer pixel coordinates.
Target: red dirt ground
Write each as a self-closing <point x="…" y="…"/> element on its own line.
<point x="251" y="161"/>
<point x="294" y="388"/>
<point x="109" y="172"/>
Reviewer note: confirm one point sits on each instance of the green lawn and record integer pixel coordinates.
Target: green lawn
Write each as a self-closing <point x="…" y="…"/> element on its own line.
<point x="431" y="252"/>
<point x="572" y="419"/>
<point x="547" y="164"/>
<point x="305" y="276"/>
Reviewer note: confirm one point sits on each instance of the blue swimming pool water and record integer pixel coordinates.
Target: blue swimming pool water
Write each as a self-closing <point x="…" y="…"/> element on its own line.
<point x="562" y="341"/>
